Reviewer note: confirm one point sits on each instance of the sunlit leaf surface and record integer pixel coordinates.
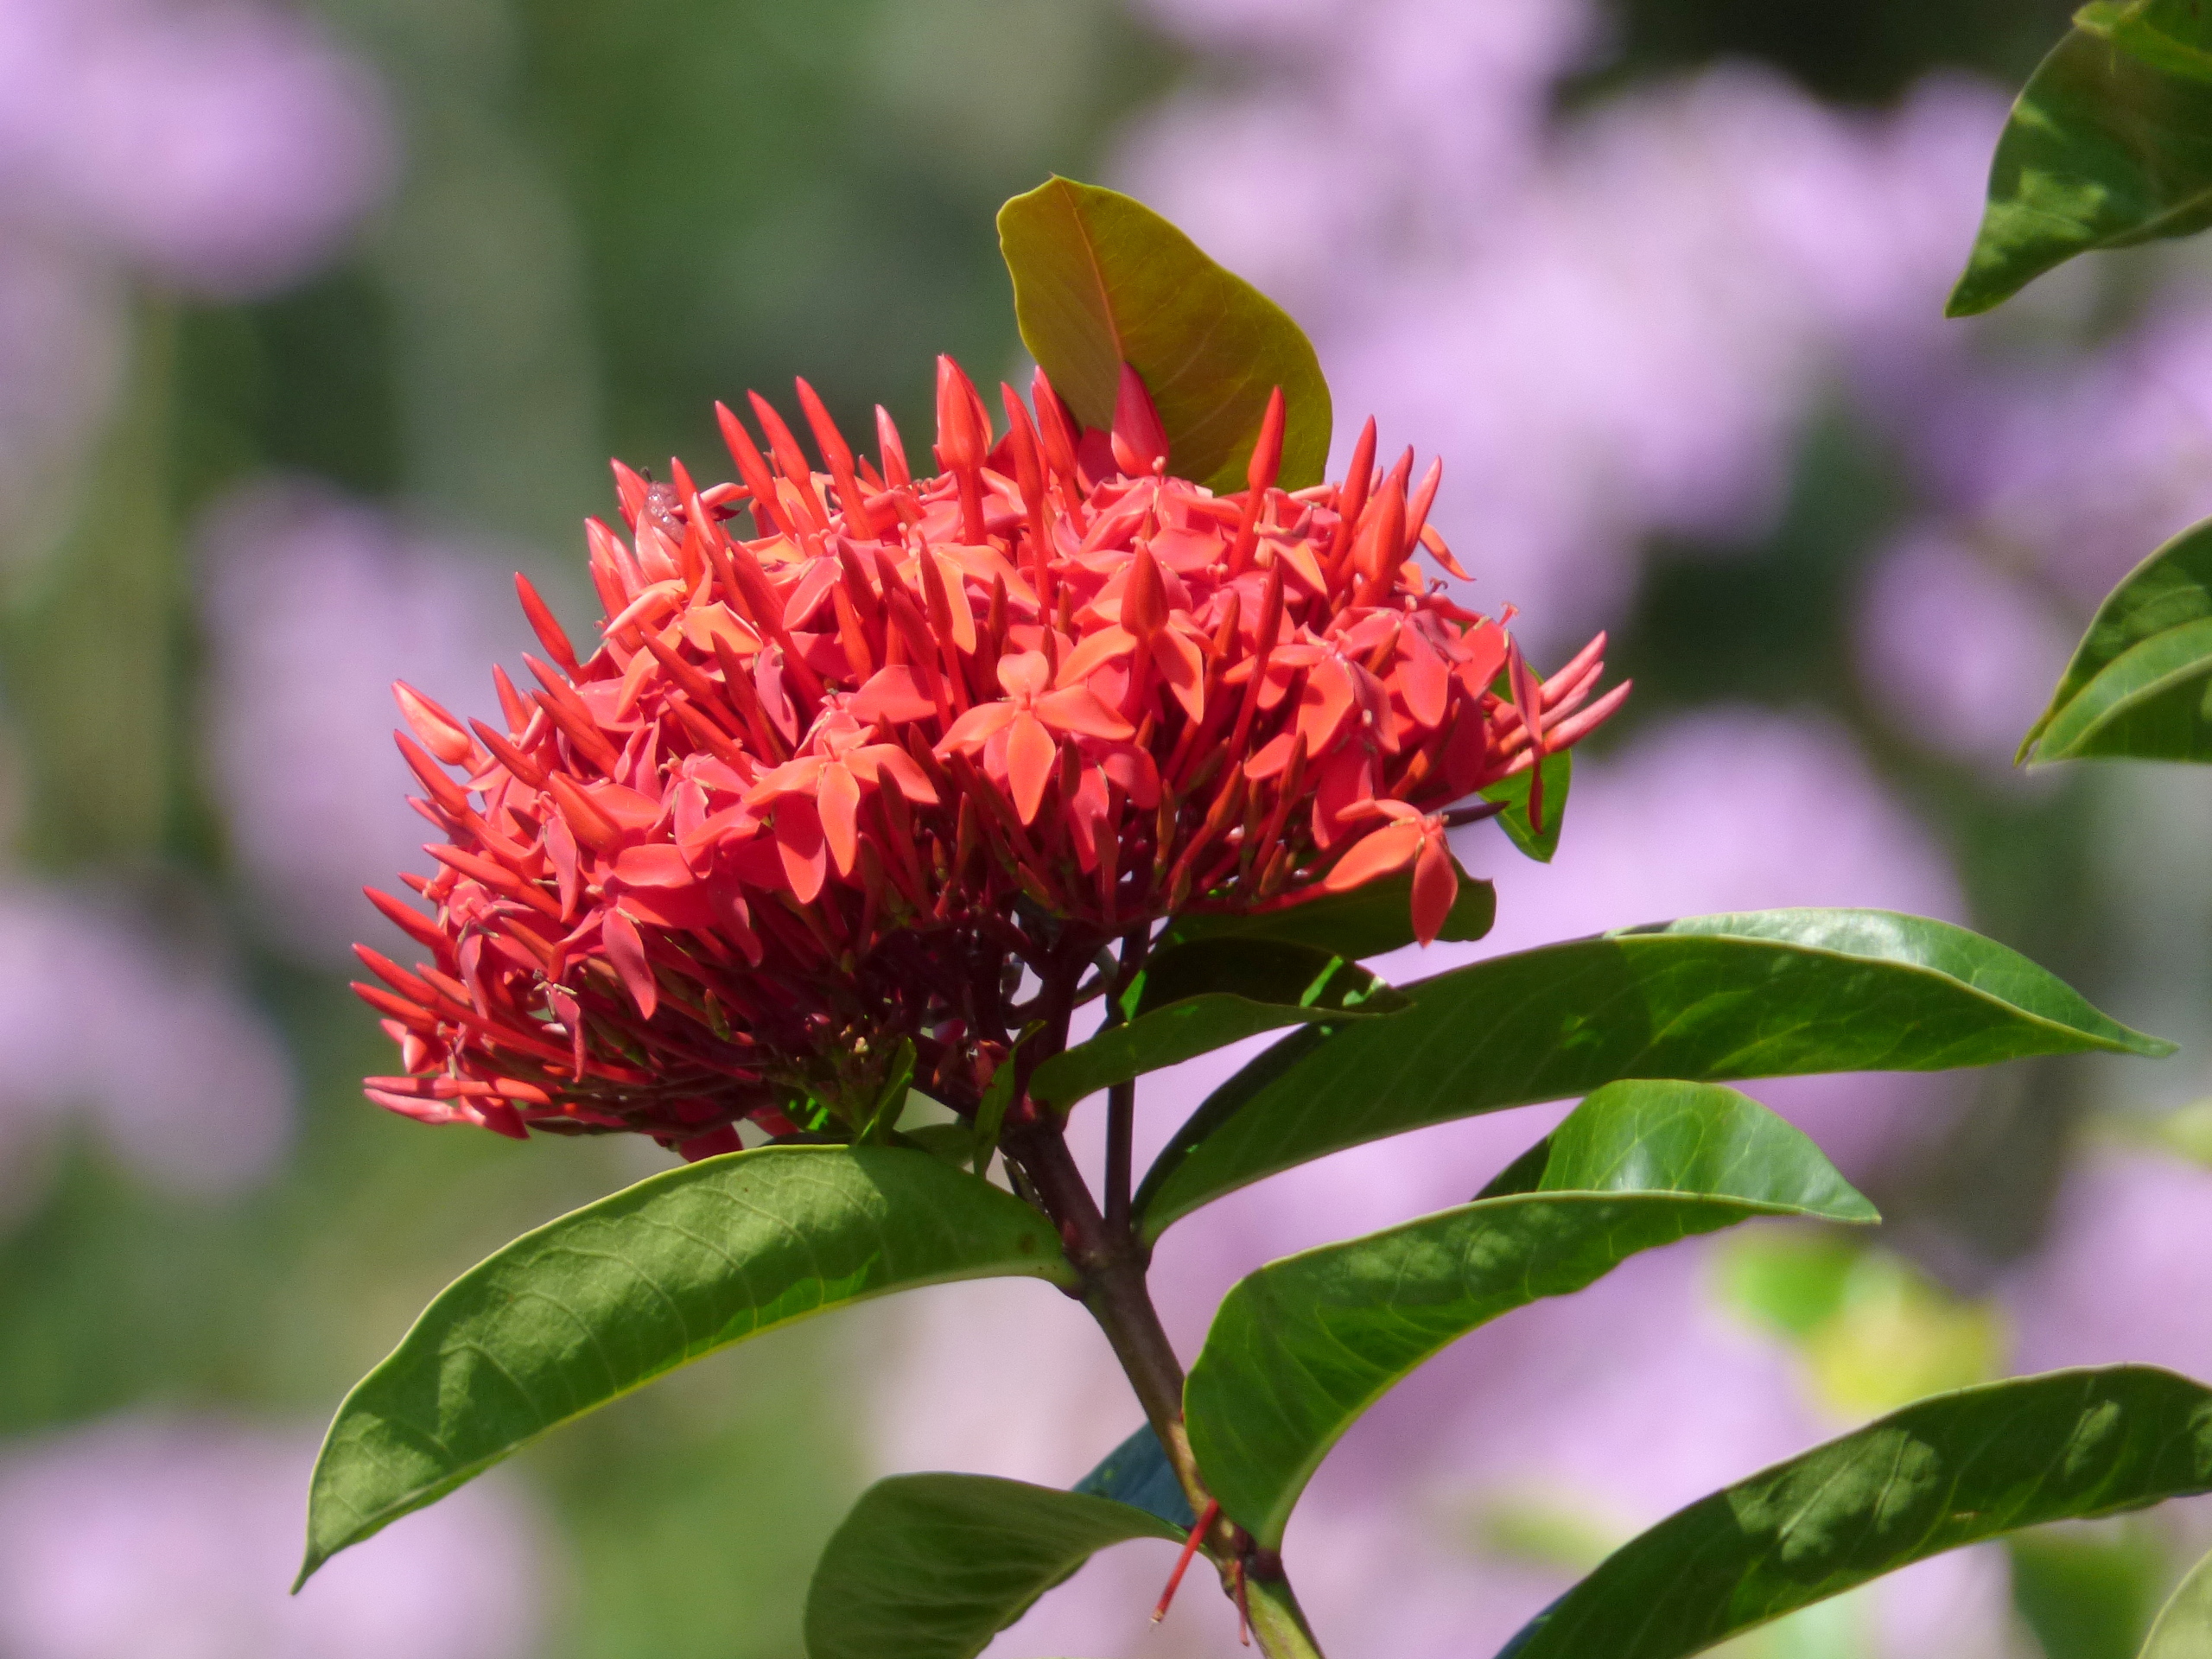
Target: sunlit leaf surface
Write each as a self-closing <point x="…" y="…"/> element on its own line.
<point x="1947" y="1472"/>
<point x="1299" y="1349"/>
<point x="606" y="1299"/>
<point x="1709" y="999"/>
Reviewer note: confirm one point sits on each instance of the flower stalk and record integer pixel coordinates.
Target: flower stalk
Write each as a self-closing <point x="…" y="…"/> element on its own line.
<point x="1111" y="1264"/>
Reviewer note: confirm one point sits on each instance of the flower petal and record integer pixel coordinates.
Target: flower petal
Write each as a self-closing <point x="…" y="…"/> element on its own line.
<point x="1386" y="852"/>
<point x="1184" y="667"/>
<point x="1133" y="769"/>
<point x="793" y="778"/>
<point x="1436" y="884"/>
<point x="1328" y="697"/>
<point x="1345" y="781"/>
<point x="1272" y="757"/>
<point x="1076" y="709"/>
<point x="892" y="696"/>
<point x="839" y="804"/>
<point x="1108" y="644"/>
<point x="889" y="760"/>
<point x="626" y="951"/>
<point x="1031" y="755"/>
<point x="822" y="575"/>
<point x="973" y="728"/>
<point x="1024" y="674"/>
<point x="657" y="865"/>
<point x="799" y="843"/>
<point x="1422" y="679"/>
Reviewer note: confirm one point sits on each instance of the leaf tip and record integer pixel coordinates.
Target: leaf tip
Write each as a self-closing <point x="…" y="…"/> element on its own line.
<point x="1857" y="1210"/>
<point x="1968" y="301"/>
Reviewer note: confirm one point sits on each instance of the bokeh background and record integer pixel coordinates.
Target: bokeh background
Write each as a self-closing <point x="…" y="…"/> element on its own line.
<point x="318" y="321"/>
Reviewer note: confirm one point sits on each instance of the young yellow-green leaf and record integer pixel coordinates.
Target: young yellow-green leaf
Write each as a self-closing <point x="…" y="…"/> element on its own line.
<point x="2140" y="684"/>
<point x="1945" y="1472"/>
<point x="932" y="1567"/>
<point x="1538" y="841"/>
<point x="1711" y="999"/>
<point x="1192" y="999"/>
<point x="1371" y="921"/>
<point x="1100" y="279"/>
<point x="2109" y="144"/>
<point x="602" y="1301"/>
<point x="2183" y="1629"/>
<point x="1299" y="1349"/>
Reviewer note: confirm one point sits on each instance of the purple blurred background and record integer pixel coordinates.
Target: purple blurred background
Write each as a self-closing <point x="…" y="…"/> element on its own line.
<point x="316" y="321"/>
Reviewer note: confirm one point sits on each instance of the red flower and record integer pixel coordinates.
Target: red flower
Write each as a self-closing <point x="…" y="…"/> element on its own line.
<point x="820" y="792"/>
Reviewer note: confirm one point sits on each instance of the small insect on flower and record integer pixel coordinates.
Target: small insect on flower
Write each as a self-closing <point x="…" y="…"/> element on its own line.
<point x="823" y="791"/>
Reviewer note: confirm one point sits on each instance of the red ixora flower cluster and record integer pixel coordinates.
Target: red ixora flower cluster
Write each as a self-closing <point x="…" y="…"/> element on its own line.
<point x="821" y="794"/>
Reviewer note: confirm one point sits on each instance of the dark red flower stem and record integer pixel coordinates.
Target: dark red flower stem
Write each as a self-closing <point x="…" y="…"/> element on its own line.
<point x="1121" y="1136"/>
<point x="1122" y="1098"/>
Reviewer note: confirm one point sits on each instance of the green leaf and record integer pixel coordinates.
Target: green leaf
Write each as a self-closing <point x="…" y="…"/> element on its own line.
<point x="1192" y="999"/>
<point x="2109" y="145"/>
<point x="2140" y="683"/>
<point x="1100" y="279"/>
<point x="2169" y="35"/>
<point x="948" y="1143"/>
<point x="998" y="1095"/>
<point x="1299" y="1349"/>
<point x="2183" y="1629"/>
<point x="2087" y="1593"/>
<point x="1137" y="1471"/>
<point x="891" y="1100"/>
<point x="602" y="1301"/>
<point x="1711" y="999"/>
<point x="1369" y="921"/>
<point x="1539" y="843"/>
<point x="932" y="1567"/>
<point x="1945" y="1472"/>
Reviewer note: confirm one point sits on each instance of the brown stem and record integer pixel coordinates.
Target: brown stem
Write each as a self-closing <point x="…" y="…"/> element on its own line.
<point x="1110" y="1269"/>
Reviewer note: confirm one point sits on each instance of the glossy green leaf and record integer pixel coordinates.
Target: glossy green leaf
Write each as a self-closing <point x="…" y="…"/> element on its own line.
<point x="2109" y="145"/>
<point x="1369" y="921"/>
<point x="1100" y="279"/>
<point x="602" y="1301"/>
<point x="1137" y="1473"/>
<point x="1300" y="1349"/>
<point x="1539" y="840"/>
<point x="2183" y="1629"/>
<point x="2140" y="683"/>
<point x="932" y="1567"/>
<point x="1192" y="999"/>
<point x="1711" y="999"/>
<point x="1945" y="1472"/>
